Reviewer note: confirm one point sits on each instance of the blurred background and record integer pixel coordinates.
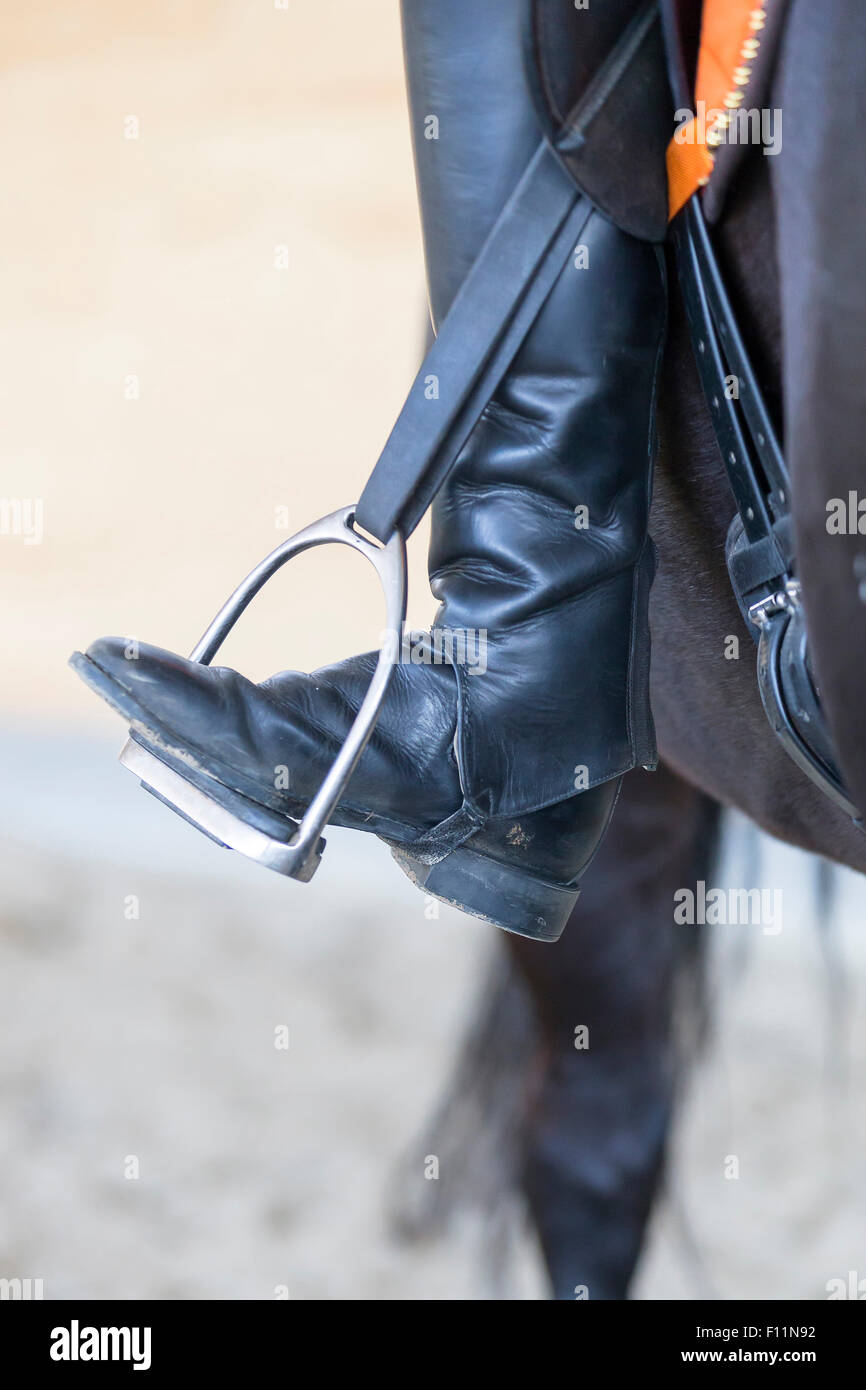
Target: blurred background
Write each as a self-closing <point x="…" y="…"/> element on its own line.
<point x="213" y="303"/>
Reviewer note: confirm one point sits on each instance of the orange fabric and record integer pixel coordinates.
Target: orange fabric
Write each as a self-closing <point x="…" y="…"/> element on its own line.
<point x="689" y="165"/>
<point x="728" y="27"/>
<point x="725" y="27"/>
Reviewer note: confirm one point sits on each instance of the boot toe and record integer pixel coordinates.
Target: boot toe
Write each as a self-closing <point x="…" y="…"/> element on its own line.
<point x="276" y="741"/>
<point x="208" y="712"/>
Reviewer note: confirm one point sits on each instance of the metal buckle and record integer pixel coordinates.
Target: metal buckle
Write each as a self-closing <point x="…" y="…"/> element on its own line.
<point x="783" y="601"/>
<point x="775" y="627"/>
<point x="301" y="856"/>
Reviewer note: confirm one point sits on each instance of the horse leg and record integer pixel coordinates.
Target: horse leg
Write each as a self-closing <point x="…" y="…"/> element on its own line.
<point x="602" y="1101"/>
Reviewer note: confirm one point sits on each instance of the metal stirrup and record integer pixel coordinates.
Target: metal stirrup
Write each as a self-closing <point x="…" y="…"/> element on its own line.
<point x="300" y="857"/>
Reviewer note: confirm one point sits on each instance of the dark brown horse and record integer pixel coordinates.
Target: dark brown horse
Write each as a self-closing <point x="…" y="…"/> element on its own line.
<point x="587" y="1125"/>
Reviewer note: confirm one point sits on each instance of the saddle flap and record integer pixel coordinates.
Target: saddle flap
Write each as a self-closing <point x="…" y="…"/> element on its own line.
<point x="613" y="140"/>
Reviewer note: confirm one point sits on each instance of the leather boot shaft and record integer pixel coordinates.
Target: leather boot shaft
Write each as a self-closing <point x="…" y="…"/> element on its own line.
<point x="539" y="551"/>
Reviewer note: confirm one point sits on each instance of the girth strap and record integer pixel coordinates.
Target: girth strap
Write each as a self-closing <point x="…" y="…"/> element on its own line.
<point x="746" y="436"/>
<point x="490" y="316"/>
<point x="760" y="542"/>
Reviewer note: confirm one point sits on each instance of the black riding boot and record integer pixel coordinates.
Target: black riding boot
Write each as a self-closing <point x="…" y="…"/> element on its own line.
<point x="495" y="764"/>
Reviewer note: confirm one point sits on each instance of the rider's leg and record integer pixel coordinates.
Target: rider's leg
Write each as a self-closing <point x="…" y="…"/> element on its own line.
<point x="494" y="774"/>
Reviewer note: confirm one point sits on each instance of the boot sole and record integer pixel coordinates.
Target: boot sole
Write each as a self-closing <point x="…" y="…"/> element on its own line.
<point x="497" y="893"/>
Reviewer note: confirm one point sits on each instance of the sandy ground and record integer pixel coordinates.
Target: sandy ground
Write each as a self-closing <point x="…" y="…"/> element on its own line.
<point x="166" y="391"/>
<point x="152" y="1037"/>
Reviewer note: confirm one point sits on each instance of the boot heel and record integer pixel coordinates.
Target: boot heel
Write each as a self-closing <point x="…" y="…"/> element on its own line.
<point x="504" y="895"/>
